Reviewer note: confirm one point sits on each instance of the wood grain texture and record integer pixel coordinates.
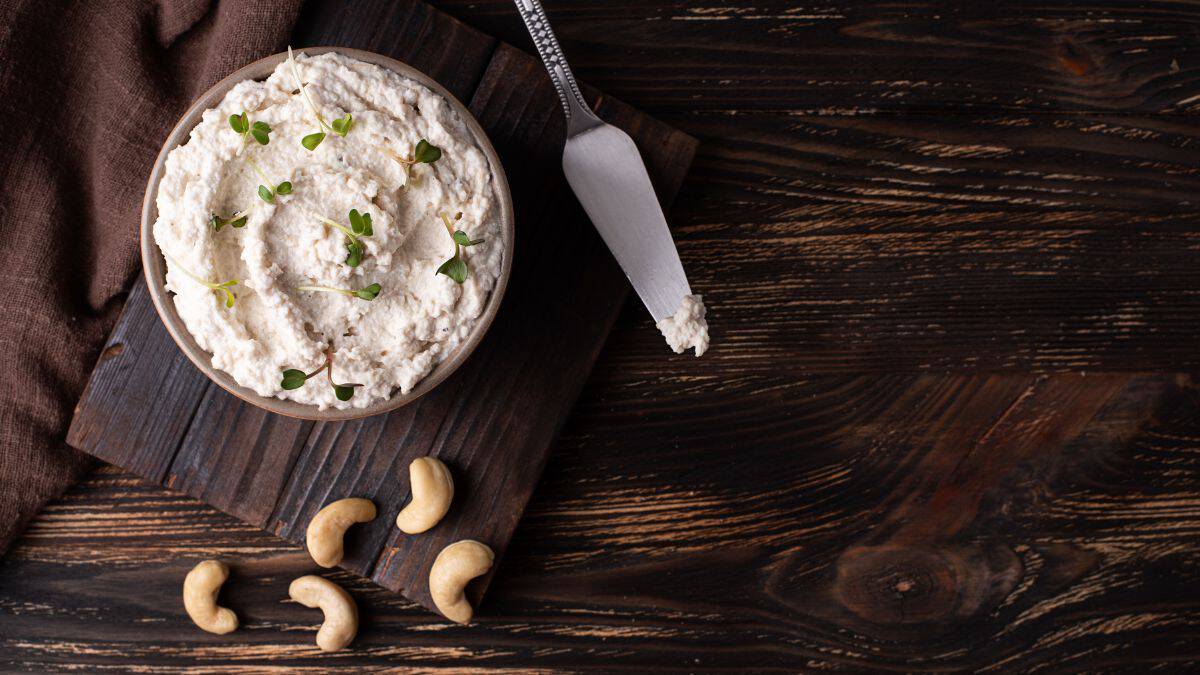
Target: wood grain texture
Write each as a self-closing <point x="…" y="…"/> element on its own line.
<point x="492" y="422"/>
<point x="155" y="414"/>
<point x="873" y="56"/>
<point x="903" y="219"/>
<point x="883" y="525"/>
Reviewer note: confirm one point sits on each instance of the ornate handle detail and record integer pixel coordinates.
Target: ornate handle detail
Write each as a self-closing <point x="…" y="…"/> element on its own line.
<point x="579" y="116"/>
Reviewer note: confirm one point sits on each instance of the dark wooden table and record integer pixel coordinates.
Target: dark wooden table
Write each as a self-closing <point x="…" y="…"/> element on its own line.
<point x="952" y="259"/>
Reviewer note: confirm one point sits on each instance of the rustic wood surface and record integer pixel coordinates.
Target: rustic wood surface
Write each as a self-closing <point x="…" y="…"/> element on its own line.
<point x="492" y="422"/>
<point x="951" y="256"/>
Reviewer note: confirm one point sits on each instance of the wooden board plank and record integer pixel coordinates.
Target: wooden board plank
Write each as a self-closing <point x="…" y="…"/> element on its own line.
<point x="494" y="420"/>
<point x="158" y="389"/>
<point x="213" y="463"/>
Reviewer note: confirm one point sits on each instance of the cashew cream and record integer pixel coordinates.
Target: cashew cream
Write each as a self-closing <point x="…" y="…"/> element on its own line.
<point x="687" y="329"/>
<point x="419" y="317"/>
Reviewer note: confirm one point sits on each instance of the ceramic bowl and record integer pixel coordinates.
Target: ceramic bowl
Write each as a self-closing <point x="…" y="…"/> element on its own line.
<point x="155" y="265"/>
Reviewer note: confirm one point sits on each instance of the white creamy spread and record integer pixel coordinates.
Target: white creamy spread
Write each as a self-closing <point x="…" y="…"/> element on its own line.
<point x="419" y="317"/>
<point x="687" y="329"/>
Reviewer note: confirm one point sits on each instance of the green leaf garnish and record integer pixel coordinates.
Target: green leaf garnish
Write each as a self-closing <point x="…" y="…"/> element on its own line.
<point x="426" y="152"/>
<point x="369" y="293"/>
<point x="454" y="268"/>
<point x="236" y="220"/>
<point x="293" y="379"/>
<point x="354" y="252"/>
<point x="239" y="123"/>
<point x="266" y="194"/>
<point x="261" y="131"/>
<point x="354" y="245"/>
<point x="344" y="392"/>
<point x="342" y="126"/>
<point x="229" y="296"/>
<point x="311" y="141"/>
<point x="284" y="188"/>
<point x="462" y="239"/>
<point x="361" y="223"/>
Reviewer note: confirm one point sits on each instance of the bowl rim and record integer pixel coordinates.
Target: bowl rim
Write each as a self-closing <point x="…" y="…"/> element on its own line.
<point x="154" y="264"/>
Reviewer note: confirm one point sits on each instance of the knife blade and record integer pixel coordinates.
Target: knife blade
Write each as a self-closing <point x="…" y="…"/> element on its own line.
<point x="607" y="174"/>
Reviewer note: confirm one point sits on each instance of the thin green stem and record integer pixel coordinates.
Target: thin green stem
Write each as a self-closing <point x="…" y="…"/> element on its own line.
<point x="328" y="363"/>
<point x="329" y="357"/>
<point x="345" y="230"/>
<point x="188" y="272"/>
<point x="405" y="164"/>
<point x="396" y="156"/>
<point x="247" y="212"/>
<point x="244" y="213"/>
<point x="450" y="230"/>
<point x="304" y="92"/>
<point x="262" y="174"/>
<point x="326" y="289"/>
<point x="216" y="286"/>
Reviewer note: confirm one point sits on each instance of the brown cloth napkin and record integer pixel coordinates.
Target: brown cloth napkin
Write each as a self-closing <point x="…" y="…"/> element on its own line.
<point x="88" y="92"/>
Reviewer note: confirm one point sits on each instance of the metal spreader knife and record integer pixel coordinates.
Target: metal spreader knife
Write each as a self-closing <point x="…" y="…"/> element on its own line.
<point x="608" y="176"/>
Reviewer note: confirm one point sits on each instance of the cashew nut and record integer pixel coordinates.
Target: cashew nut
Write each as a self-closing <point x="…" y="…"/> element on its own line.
<point x="432" y="491"/>
<point x="341" y="614"/>
<point x="456" y="565"/>
<point x="328" y="527"/>
<point x="200" y="589"/>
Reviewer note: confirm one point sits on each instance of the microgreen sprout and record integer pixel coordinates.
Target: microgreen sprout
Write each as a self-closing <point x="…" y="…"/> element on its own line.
<point x="424" y="153"/>
<point x="294" y="379"/>
<point x="368" y="293"/>
<point x="267" y="194"/>
<point x="361" y="223"/>
<point x="236" y="220"/>
<point x="456" y="267"/>
<point x="360" y="226"/>
<point x="341" y="126"/>
<point x="216" y="286"/>
<point x="260" y="131"/>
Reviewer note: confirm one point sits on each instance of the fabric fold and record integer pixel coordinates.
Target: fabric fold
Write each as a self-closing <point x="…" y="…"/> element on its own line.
<point x="87" y="94"/>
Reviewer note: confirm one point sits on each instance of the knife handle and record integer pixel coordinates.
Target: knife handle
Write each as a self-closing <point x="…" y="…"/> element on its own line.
<point x="580" y="117"/>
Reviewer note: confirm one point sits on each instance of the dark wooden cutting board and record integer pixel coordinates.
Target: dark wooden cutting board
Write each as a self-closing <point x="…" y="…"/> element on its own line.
<point x="148" y="410"/>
